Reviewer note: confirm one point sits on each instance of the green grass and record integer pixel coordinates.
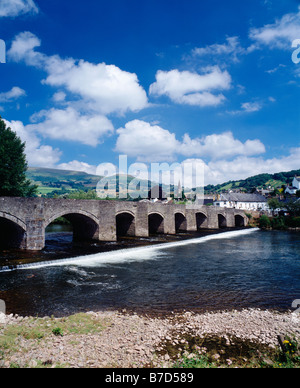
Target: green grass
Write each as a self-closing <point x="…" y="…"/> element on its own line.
<point x="46" y="190"/>
<point x="40" y="328"/>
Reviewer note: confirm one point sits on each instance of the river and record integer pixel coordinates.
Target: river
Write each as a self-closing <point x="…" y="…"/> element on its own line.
<point x="201" y="272"/>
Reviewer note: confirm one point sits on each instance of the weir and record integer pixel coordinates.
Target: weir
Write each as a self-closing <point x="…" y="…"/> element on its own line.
<point x="23" y="221"/>
<point x="123" y="255"/>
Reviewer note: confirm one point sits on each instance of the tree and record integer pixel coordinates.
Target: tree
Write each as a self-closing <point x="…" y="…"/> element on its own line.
<point x="293" y="208"/>
<point x="13" y="165"/>
<point x="274" y="204"/>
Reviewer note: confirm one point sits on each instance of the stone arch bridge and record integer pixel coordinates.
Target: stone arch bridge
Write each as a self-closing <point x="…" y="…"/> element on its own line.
<point x="23" y="221"/>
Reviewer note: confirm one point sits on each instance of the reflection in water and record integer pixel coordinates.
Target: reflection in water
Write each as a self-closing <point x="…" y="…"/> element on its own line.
<point x="256" y="269"/>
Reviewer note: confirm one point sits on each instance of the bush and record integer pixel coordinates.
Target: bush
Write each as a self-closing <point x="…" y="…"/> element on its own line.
<point x="265" y="222"/>
<point x="293" y="222"/>
<point x="278" y="223"/>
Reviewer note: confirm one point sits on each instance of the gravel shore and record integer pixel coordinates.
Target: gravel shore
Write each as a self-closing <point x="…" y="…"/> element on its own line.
<point x="131" y="340"/>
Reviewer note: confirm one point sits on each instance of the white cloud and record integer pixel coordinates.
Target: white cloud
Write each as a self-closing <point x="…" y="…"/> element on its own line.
<point x="59" y="97"/>
<point x="70" y="125"/>
<point x="192" y="88"/>
<point x="22" y="49"/>
<point x="104" y="87"/>
<point x="242" y="167"/>
<point x="100" y="87"/>
<point x="146" y="142"/>
<point x="231" y="49"/>
<point x="152" y="143"/>
<point x="37" y="155"/>
<point x="219" y="146"/>
<point x="279" y="34"/>
<point x="13" y="94"/>
<point x="250" y="107"/>
<point x="13" y="8"/>
<point x="76" y="165"/>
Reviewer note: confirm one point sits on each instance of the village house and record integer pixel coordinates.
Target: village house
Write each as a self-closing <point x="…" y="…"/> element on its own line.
<point x="292" y="190"/>
<point x="254" y="202"/>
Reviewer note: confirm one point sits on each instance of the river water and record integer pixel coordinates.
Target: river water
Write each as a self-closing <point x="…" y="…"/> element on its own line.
<point x="209" y="272"/>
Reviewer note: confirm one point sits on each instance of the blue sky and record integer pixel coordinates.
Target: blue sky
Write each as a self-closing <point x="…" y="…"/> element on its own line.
<point x="157" y="80"/>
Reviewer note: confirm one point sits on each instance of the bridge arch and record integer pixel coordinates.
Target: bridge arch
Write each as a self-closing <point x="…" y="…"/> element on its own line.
<point x="180" y="222"/>
<point x="125" y="223"/>
<point x="156" y="223"/>
<point x="12" y="232"/>
<point x="85" y="225"/>
<point x="239" y="221"/>
<point x="222" y="222"/>
<point x="201" y="220"/>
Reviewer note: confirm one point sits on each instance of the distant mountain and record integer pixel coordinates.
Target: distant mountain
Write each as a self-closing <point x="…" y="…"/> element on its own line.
<point x="51" y="181"/>
<point x="258" y="181"/>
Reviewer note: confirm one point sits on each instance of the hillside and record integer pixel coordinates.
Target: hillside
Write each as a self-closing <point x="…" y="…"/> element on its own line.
<point x="258" y="181"/>
<point x="53" y="181"/>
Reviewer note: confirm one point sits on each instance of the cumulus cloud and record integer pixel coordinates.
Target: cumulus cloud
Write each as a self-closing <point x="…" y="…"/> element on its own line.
<point x="218" y="146"/>
<point x="280" y="34"/>
<point x="13" y="8"/>
<point x="152" y="143"/>
<point x="14" y="94"/>
<point x="70" y="125"/>
<point x="38" y="155"/>
<point x="192" y="88"/>
<point x="242" y="167"/>
<point x="104" y="87"/>
<point x="146" y="142"/>
<point x="99" y="87"/>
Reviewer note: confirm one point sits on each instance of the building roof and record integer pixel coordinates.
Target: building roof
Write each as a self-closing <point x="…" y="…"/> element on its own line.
<point x="241" y="197"/>
<point x="297" y="178"/>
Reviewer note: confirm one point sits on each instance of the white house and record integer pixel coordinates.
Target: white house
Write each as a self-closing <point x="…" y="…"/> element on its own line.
<point x="243" y="201"/>
<point x="295" y="186"/>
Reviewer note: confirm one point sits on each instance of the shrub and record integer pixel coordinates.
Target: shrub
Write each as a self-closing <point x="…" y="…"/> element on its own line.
<point x="278" y="223"/>
<point x="264" y="222"/>
<point x="58" y="332"/>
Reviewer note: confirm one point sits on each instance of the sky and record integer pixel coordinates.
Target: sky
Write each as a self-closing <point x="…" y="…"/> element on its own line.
<point x="174" y="81"/>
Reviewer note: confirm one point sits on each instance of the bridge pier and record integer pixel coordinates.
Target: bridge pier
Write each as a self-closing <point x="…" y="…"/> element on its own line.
<point x="141" y="220"/>
<point x="35" y="235"/>
<point x="107" y="222"/>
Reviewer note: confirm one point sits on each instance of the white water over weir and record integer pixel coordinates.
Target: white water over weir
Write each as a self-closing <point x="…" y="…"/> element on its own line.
<point x="125" y="255"/>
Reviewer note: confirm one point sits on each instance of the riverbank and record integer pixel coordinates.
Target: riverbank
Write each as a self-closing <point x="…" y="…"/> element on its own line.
<point x="246" y="338"/>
